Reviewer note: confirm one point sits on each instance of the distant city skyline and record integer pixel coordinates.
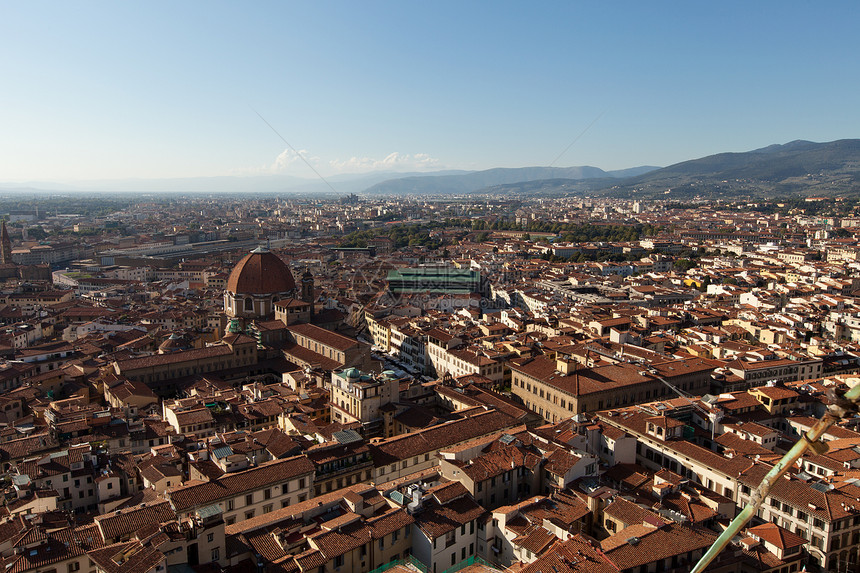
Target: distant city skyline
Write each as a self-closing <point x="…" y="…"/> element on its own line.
<point x="171" y="90"/>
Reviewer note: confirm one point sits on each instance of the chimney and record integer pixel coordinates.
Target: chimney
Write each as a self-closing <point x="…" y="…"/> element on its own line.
<point x="565" y="366"/>
<point x="594" y="504"/>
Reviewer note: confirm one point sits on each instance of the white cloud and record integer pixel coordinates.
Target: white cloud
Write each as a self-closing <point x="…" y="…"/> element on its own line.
<point x="288" y="161"/>
<point x="392" y="162"/>
<point x="288" y="158"/>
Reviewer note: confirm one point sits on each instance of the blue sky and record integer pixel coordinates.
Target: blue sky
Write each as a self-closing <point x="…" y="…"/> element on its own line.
<point x="102" y="90"/>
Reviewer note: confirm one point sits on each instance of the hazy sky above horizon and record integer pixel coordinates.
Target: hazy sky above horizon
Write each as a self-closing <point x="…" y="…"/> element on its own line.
<point x="156" y="89"/>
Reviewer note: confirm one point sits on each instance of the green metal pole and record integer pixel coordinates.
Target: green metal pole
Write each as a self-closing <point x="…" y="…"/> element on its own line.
<point x="838" y="407"/>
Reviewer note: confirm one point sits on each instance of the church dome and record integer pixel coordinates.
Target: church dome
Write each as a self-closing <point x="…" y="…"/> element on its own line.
<point x="261" y="272"/>
<point x="174" y="343"/>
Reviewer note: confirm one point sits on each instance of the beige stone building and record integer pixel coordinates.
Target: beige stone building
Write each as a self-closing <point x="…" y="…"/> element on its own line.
<point x="402" y="455"/>
<point x="160" y="371"/>
<point x="196" y="422"/>
<point x="359" y="397"/>
<point x="350" y="530"/>
<point x="340" y="465"/>
<point x="558" y="389"/>
<point x="245" y="494"/>
<point x="292" y="310"/>
<point x="760" y="372"/>
<point x="331" y="347"/>
<point x="824" y="515"/>
<point x="494" y="478"/>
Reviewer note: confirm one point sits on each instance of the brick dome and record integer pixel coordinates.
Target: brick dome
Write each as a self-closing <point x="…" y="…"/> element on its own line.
<point x="261" y="272"/>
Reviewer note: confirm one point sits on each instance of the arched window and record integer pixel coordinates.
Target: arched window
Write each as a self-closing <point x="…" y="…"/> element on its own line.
<point x="249" y="304"/>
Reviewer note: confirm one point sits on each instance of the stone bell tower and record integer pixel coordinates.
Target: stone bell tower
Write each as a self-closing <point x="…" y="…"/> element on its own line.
<point x="5" y="245"/>
<point x="308" y="289"/>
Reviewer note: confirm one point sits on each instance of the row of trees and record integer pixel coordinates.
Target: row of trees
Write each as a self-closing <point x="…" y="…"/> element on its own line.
<point x="419" y="233"/>
<point x="588" y="231"/>
<point x="400" y="235"/>
<point x="88" y="206"/>
<point x="583" y="257"/>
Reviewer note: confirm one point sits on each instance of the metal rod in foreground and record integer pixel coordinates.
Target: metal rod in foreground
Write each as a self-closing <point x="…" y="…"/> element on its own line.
<point x="839" y="406"/>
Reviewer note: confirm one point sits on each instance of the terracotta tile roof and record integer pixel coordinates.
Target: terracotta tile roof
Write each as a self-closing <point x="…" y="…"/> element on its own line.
<point x="496" y="463"/>
<point x="758" y="557"/>
<point x="478" y="395"/>
<point x="300" y="354"/>
<point x="434" y="438"/>
<point x="574" y="555"/>
<point x="627" y="512"/>
<point x="13" y="528"/>
<point x="23" y="447"/>
<point x="733" y="442"/>
<point x="653" y="544"/>
<point x="819" y="501"/>
<point x="129" y="557"/>
<point x="805" y="423"/>
<point x="415" y="416"/>
<point x="739" y="401"/>
<point x="261" y="409"/>
<point x="561" y="461"/>
<point x="264" y="544"/>
<point x="447" y="491"/>
<point x="600" y="378"/>
<point x="389" y="522"/>
<point x="186" y="497"/>
<point x="324" y="453"/>
<point x="777" y="536"/>
<point x="119" y="524"/>
<point x="776" y="392"/>
<point x="342" y="538"/>
<point x="561" y="509"/>
<point x="324" y="336"/>
<point x="275" y="441"/>
<point x="759" y="364"/>
<point x="535" y="539"/>
<point x="436" y="520"/>
<point x="292" y="512"/>
<point x="310" y="559"/>
<point x="635" y="421"/>
<point x="630" y="476"/>
<point x="612" y="432"/>
<point x="196" y="416"/>
<point x="174" y="358"/>
<point x="686" y="505"/>
<point x="54" y="547"/>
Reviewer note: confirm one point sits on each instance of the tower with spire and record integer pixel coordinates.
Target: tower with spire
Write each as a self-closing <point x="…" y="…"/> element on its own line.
<point x="5" y="245"/>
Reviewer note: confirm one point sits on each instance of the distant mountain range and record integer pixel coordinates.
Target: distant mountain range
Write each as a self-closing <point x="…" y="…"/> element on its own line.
<point x="796" y="168"/>
<point x="470" y="182"/>
<point x="376" y="183"/>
